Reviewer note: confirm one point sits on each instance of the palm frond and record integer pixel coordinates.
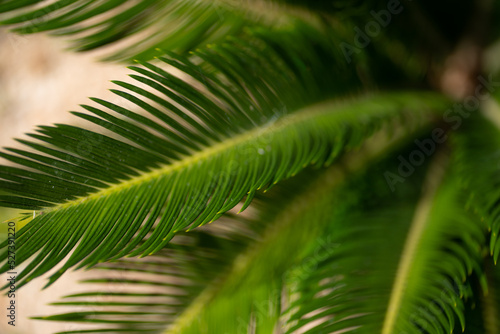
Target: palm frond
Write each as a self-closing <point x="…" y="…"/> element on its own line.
<point x="141" y="26"/>
<point x="276" y="107"/>
<point x="146" y="295"/>
<point x="137" y="291"/>
<point x="172" y="171"/>
<point x="410" y="280"/>
<point x="252" y="273"/>
<point x="478" y="148"/>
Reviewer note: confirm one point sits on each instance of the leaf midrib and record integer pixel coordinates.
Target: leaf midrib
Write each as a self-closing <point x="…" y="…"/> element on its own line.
<point x="415" y="233"/>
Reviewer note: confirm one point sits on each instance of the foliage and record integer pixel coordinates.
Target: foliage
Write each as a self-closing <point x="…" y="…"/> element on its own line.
<point x="367" y="207"/>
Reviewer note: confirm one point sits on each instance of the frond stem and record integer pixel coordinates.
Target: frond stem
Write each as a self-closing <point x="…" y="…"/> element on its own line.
<point x="418" y="225"/>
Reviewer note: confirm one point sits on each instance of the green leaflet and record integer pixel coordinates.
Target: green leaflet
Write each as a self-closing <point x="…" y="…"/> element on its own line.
<point x="489" y="303"/>
<point x="482" y="311"/>
<point x="400" y="269"/>
<point x="197" y="154"/>
<point x="478" y="148"/>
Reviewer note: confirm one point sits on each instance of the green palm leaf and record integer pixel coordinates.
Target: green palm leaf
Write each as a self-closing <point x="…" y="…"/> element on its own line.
<point x="140" y="26"/>
<point x="335" y="273"/>
<point x="116" y="187"/>
<point x="475" y="152"/>
<point x="410" y="280"/>
<point x="285" y="113"/>
<point x="297" y="220"/>
<point x="146" y="295"/>
<point x="278" y="247"/>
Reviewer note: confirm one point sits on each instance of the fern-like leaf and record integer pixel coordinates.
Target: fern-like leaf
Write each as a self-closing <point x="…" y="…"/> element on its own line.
<point x="251" y="271"/>
<point x="199" y="153"/>
<point x="411" y="280"/>
<point x="140" y="26"/>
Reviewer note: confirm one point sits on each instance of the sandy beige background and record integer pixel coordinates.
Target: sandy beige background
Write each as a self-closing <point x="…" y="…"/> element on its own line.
<point x="39" y="83"/>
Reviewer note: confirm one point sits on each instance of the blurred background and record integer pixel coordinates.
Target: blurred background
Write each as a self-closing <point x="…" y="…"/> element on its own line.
<point x="39" y="84"/>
